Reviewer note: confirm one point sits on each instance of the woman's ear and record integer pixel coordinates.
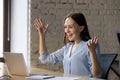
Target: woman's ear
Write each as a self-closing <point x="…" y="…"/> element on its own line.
<point x="81" y="28"/>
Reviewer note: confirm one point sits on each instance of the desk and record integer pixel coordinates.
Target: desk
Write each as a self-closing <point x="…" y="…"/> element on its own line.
<point x="3" y="70"/>
<point x="49" y="72"/>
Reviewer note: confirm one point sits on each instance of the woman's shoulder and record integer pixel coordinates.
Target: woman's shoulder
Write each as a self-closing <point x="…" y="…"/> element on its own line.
<point x="69" y="43"/>
<point x="66" y="46"/>
<point x="84" y="43"/>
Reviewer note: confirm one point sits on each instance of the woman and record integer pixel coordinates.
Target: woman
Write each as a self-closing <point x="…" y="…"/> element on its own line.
<point x="80" y="55"/>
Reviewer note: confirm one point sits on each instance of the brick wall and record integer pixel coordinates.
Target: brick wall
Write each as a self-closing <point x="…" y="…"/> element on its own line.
<point x="103" y="17"/>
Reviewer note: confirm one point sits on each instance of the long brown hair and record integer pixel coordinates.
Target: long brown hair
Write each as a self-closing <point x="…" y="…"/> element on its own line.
<point x="79" y="18"/>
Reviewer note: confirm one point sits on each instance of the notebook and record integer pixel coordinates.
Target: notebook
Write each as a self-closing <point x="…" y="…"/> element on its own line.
<point x="17" y="67"/>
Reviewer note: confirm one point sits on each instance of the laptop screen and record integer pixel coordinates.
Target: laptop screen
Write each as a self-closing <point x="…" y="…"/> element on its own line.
<point x="15" y="63"/>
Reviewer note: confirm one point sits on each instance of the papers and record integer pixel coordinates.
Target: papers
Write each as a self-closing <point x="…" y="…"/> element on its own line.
<point x="64" y="78"/>
<point x="42" y="77"/>
<point x="39" y="77"/>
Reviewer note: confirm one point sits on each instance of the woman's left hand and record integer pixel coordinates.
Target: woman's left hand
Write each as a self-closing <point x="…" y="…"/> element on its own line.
<point x="92" y="44"/>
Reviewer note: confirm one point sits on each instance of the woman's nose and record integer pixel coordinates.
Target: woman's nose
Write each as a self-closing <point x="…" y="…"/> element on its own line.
<point x="66" y="30"/>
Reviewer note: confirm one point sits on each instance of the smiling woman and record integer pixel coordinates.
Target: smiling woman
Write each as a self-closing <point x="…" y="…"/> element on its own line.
<point x="80" y="55"/>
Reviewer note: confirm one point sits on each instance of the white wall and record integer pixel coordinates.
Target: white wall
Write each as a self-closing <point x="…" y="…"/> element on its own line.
<point x="19" y="27"/>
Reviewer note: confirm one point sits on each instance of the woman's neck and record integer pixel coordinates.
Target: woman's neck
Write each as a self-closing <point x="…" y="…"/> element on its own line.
<point x="77" y="42"/>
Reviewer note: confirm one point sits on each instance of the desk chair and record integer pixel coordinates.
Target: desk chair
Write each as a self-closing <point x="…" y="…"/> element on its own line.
<point x="106" y="63"/>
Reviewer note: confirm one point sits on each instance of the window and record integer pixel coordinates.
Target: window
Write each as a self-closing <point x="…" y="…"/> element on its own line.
<point x="4" y="26"/>
<point x="1" y="27"/>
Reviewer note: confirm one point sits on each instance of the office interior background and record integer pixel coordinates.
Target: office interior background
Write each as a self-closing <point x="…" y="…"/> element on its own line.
<point x="103" y="18"/>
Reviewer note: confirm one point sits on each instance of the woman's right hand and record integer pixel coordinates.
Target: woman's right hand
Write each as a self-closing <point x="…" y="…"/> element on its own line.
<point x="40" y="27"/>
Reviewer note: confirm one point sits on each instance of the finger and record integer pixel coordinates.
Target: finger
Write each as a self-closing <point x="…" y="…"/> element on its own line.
<point x="95" y="40"/>
<point x="36" y="24"/>
<point x="88" y="44"/>
<point x="92" y="41"/>
<point x="46" y="27"/>
<point x="40" y="22"/>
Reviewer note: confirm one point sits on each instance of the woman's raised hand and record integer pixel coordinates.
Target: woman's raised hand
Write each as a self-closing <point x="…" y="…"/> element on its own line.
<point x="40" y="27"/>
<point x="92" y="44"/>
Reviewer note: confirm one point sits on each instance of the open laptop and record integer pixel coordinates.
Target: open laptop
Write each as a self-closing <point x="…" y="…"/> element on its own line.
<point x="17" y="67"/>
<point x="16" y="64"/>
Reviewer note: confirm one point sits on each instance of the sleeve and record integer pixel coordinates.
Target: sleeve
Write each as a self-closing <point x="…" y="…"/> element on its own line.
<point x="53" y="58"/>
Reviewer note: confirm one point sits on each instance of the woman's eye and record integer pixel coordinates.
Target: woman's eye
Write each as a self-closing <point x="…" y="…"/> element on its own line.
<point x="64" y="27"/>
<point x="70" y="26"/>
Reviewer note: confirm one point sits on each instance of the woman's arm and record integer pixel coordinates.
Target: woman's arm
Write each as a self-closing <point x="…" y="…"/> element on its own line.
<point x="54" y="57"/>
<point x="45" y="57"/>
<point x="41" y="30"/>
<point x="96" y="68"/>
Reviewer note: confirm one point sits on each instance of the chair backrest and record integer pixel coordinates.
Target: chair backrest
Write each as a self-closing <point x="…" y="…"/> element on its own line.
<point x="106" y="62"/>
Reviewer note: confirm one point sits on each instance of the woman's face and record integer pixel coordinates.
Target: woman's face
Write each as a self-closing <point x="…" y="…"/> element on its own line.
<point x="72" y="29"/>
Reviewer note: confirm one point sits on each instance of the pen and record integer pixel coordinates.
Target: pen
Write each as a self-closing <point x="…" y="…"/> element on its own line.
<point x="49" y="77"/>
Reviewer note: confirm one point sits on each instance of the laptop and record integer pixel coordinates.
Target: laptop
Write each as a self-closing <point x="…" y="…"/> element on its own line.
<point x="17" y="67"/>
<point x="16" y="64"/>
